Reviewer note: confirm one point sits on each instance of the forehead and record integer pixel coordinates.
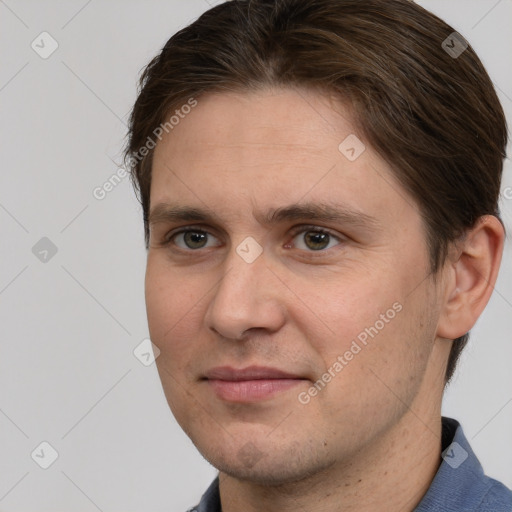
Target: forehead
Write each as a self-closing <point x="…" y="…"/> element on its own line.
<point x="277" y="119"/>
<point x="271" y="148"/>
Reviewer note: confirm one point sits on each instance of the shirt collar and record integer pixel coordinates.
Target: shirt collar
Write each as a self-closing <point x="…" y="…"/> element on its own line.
<point x="460" y="482"/>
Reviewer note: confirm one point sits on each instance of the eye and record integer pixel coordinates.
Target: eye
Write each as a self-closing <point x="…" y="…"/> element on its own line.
<point x="191" y="239"/>
<point x="307" y="238"/>
<point x="313" y="238"/>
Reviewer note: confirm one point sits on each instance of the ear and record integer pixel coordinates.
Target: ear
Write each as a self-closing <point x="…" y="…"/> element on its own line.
<point x="471" y="276"/>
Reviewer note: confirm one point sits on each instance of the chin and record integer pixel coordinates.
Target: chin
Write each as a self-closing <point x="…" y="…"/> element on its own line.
<point x="269" y="467"/>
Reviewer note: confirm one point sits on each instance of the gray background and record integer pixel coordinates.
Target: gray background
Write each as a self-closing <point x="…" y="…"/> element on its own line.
<point x="69" y="325"/>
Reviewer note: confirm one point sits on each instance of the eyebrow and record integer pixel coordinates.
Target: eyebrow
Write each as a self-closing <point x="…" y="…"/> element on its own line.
<point x="318" y="211"/>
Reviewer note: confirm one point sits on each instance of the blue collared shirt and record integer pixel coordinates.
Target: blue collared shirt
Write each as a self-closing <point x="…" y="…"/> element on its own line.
<point x="460" y="484"/>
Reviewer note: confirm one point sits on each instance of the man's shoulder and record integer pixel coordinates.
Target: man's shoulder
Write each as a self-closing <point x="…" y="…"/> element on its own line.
<point x="498" y="498"/>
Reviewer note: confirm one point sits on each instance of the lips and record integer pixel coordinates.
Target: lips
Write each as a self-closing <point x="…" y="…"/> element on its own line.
<point x="250" y="373"/>
<point x="250" y="384"/>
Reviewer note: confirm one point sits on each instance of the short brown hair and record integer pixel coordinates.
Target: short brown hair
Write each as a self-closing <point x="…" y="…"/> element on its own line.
<point x="434" y="116"/>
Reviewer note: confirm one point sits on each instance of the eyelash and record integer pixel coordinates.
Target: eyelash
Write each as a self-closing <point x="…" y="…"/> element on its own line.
<point x="299" y="229"/>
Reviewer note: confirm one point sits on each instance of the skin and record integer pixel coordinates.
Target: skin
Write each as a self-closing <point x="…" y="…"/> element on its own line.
<point x="371" y="438"/>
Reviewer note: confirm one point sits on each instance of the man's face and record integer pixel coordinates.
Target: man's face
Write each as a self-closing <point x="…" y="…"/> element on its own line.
<point x="356" y="305"/>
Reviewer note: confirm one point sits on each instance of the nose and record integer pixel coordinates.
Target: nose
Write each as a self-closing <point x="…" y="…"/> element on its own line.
<point x="248" y="296"/>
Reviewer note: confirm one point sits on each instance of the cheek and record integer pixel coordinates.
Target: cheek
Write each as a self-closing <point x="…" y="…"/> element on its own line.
<point x="174" y="318"/>
<point x="172" y="311"/>
<point x="346" y="309"/>
<point x="375" y="325"/>
<point x="379" y="380"/>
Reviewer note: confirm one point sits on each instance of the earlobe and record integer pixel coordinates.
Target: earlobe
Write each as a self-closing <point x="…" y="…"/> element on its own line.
<point x="471" y="277"/>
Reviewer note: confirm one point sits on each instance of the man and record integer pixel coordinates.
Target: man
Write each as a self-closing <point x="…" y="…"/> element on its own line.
<point x="319" y="180"/>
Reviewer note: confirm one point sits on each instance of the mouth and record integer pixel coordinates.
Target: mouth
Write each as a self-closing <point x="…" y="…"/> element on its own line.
<point x="250" y="384"/>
